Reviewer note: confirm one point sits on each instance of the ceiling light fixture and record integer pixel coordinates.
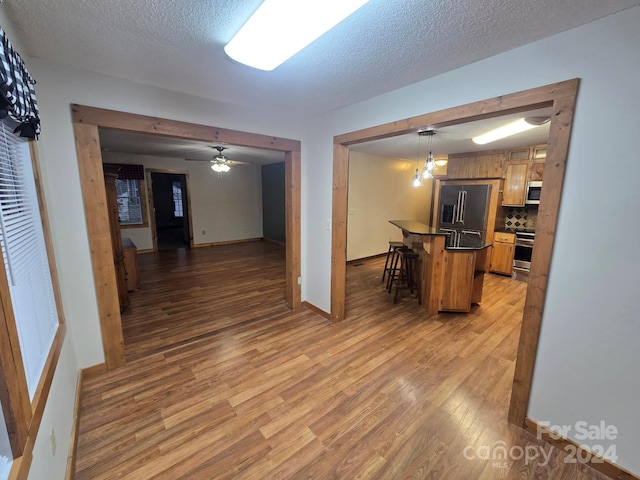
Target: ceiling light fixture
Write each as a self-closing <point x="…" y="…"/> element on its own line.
<point x="279" y="29"/>
<point x="416" y="179"/>
<point x="429" y="164"/>
<point x="512" y="128"/>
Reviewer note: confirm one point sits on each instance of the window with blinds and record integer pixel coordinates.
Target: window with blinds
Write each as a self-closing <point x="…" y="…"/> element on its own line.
<point x="25" y="255"/>
<point x="129" y="202"/>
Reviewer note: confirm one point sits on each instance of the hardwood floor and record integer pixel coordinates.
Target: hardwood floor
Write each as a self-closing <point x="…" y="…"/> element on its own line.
<point x="266" y="392"/>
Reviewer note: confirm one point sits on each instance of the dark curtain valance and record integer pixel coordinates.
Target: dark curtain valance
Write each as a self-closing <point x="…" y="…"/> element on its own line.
<point x="126" y="171"/>
<point x="17" y="94"/>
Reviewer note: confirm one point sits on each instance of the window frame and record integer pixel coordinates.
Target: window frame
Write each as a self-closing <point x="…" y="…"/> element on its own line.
<point x="22" y="416"/>
<point x="142" y="188"/>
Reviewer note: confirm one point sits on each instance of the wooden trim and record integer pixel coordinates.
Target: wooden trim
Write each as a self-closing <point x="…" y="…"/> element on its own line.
<point x="44" y="220"/>
<point x="73" y="443"/>
<point x="97" y="217"/>
<point x="226" y="242"/>
<point x="271" y="240"/>
<point x="172" y="128"/>
<point x="558" y="148"/>
<point x="292" y="202"/>
<point x="93" y="370"/>
<point x="14" y="391"/>
<point x="596" y="462"/>
<point x="152" y="214"/>
<point x="561" y="97"/>
<point x="86" y="121"/>
<point x="314" y="309"/>
<point x="20" y="469"/>
<point x="339" y="230"/>
<point x="146" y="250"/>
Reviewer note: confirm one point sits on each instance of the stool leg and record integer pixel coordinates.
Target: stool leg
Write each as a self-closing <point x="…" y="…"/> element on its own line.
<point x="400" y="279"/>
<point x="393" y="270"/>
<point x="386" y="262"/>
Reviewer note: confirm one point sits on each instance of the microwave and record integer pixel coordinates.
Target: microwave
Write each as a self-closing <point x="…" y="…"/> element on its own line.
<point x="533" y="193"/>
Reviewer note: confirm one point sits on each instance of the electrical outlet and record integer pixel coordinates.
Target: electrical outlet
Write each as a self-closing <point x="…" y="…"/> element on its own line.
<point x="328" y="225"/>
<point x="52" y="439"/>
<point x="299" y="280"/>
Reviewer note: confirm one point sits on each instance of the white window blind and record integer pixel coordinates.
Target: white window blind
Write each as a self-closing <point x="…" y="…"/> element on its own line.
<point x="129" y="201"/>
<point x="25" y="255"/>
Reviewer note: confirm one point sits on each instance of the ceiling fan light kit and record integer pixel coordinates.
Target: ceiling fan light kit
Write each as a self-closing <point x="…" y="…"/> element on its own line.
<point x="279" y="29"/>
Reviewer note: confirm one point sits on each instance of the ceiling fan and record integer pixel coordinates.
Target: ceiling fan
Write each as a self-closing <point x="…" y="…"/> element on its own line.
<point x="220" y="163"/>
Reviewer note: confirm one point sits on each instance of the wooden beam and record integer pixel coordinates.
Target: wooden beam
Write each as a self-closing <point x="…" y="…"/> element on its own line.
<point x="292" y="227"/>
<point x="97" y="216"/>
<point x="173" y="128"/>
<point x="555" y="165"/>
<point x="339" y="230"/>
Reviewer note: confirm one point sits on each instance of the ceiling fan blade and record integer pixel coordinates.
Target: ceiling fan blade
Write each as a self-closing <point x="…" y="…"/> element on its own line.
<point x="196" y="160"/>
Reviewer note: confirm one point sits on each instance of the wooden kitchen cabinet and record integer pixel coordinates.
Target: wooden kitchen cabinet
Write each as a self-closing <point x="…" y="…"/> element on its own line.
<point x="502" y="255"/>
<point x="515" y="183"/>
<point x="458" y="278"/>
<point x="472" y="166"/>
<point x="536" y="171"/>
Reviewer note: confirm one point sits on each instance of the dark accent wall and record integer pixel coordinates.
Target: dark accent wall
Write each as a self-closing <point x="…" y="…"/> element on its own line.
<point x="273" y="214"/>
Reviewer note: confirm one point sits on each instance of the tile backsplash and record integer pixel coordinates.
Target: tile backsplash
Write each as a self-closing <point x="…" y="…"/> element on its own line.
<point x="521" y="218"/>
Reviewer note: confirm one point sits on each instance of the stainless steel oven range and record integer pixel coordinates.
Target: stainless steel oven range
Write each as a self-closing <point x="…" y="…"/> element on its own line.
<point x="522" y="254"/>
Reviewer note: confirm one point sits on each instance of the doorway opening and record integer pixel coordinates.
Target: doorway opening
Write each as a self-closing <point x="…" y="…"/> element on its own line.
<point x="561" y="97"/>
<point x="169" y="203"/>
<point x="87" y="121"/>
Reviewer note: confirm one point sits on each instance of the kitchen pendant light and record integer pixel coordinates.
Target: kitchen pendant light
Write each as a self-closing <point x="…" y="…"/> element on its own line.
<point x="429" y="164"/>
<point x="416" y="179"/>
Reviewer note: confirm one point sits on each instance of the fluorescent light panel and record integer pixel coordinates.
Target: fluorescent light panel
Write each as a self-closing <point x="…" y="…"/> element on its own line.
<point x="281" y="28"/>
<point x="507" y="130"/>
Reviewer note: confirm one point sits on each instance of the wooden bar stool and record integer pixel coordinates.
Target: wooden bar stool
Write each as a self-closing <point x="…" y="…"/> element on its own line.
<point x="391" y="253"/>
<point x="406" y="278"/>
<point x="394" y="265"/>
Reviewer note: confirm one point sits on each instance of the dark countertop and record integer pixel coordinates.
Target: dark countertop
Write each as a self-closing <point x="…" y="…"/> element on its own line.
<point x="417" y="228"/>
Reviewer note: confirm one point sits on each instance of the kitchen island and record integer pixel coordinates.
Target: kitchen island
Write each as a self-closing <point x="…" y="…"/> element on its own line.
<point x="450" y="278"/>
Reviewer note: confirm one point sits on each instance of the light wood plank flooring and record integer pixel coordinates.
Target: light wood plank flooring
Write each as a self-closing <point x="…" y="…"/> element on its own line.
<point x="264" y="392"/>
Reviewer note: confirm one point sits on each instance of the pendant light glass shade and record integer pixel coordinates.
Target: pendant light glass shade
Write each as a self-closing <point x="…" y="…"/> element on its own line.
<point x="429" y="163"/>
<point x="416" y="180"/>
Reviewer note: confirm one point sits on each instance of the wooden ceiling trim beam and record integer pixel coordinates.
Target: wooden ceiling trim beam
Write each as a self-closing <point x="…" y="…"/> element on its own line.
<point x="173" y="128"/>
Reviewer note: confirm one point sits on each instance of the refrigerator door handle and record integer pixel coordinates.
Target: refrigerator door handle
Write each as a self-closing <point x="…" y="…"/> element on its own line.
<point x="463" y="205"/>
<point x="458" y="207"/>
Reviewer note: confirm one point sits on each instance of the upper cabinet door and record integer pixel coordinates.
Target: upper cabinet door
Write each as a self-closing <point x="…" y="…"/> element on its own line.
<point x="515" y="184"/>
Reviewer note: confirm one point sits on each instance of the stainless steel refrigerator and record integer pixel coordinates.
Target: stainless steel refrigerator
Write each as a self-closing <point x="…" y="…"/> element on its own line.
<point x="463" y="214"/>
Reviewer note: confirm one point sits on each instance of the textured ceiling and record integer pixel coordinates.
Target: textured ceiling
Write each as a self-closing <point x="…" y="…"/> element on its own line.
<point x="178" y="44"/>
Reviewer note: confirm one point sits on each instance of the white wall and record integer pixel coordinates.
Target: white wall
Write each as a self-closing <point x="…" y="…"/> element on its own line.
<point x="57" y="88"/>
<point x="587" y="367"/>
<point x="225" y="206"/>
<point x="379" y="191"/>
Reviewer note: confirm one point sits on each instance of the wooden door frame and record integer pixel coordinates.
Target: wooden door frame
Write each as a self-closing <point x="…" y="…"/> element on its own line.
<point x="86" y="121"/>
<point x="152" y="216"/>
<point x="561" y="97"/>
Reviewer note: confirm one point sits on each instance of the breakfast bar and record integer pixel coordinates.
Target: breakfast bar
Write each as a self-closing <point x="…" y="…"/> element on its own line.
<point x="450" y="278"/>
